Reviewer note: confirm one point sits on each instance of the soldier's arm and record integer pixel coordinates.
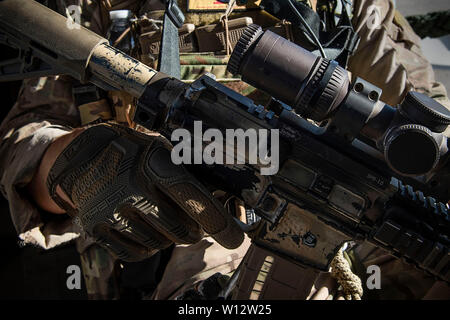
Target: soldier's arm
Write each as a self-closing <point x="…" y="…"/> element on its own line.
<point x="43" y="112"/>
<point x="37" y="187"/>
<point x="389" y="53"/>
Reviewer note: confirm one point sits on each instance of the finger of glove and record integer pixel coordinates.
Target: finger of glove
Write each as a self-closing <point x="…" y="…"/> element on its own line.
<point x="193" y="198"/>
<point x="167" y="218"/>
<point x="206" y="211"/>
<point x="129" y="222"/>
<point x="122" y="247"/>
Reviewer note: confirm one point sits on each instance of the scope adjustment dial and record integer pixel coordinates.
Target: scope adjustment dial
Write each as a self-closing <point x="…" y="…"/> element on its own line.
<point x="426" y="111"/>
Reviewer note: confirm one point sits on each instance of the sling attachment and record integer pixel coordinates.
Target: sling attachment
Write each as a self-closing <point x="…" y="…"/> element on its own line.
<point x="169" y="56"/>
<point x="321" y="33"/>
<point x="224" y="19"/>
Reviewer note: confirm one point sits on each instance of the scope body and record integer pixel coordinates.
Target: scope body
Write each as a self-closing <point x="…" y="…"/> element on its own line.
<point x="410" y="136"/>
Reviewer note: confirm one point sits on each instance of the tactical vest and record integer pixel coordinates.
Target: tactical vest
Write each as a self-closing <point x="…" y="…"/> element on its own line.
<point x="206" y="40"/>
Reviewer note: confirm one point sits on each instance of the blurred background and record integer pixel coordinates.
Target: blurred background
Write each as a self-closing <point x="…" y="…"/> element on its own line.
<point x="436" y="49"/>
<point x="32" y="273"/>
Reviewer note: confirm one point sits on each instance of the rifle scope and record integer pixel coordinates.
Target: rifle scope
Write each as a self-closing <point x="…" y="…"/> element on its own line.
<point x="410" y="136"/>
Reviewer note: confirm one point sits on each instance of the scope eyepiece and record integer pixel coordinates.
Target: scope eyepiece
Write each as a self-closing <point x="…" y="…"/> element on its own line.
<point x="250" y="35"/>
<point x="426" y="111"/>
<point x="313" y="86"/>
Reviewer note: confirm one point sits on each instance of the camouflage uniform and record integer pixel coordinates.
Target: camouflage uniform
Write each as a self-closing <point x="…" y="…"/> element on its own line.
<point x="388" y="56"/>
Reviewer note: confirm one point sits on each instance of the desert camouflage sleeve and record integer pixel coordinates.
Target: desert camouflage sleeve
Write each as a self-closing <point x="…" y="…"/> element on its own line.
<point x="43" y="112"/>
<point x="389" y="53"/>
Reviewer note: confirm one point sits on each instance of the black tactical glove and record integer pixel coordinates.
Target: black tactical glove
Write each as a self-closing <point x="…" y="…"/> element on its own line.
<point x="130" y="197"/>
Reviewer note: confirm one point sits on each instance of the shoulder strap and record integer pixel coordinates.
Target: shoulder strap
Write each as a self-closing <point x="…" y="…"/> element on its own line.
<point x="169" y="55"/>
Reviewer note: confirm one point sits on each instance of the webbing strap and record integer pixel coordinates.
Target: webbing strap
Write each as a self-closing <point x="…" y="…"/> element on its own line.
<point x="224" y="19"/>
<point x="169" y="57"/>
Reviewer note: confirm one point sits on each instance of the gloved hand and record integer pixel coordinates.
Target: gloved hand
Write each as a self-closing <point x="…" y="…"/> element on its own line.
<point x="129" y="196"/>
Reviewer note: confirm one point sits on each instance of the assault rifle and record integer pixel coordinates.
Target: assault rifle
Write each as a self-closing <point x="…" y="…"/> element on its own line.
<point x="353" y="171"/>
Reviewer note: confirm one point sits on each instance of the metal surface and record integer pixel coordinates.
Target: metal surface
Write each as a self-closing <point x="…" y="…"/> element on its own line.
<point x="120" y="70"/>
<point x="48" y="36"/>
